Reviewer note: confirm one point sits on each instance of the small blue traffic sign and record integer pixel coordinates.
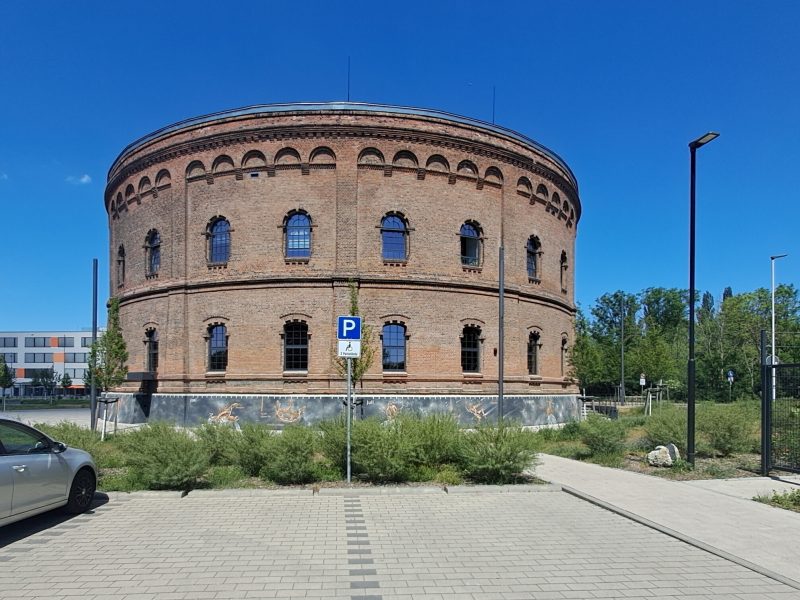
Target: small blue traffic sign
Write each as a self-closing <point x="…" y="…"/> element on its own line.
<point x="348" y="328"/>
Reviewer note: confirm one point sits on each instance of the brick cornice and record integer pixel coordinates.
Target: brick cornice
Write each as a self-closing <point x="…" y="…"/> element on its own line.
<point x="453" y="142"/>
<point x="381" y="281"/>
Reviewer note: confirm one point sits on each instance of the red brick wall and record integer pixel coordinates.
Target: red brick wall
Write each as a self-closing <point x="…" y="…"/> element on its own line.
<point x="258" y="290"/>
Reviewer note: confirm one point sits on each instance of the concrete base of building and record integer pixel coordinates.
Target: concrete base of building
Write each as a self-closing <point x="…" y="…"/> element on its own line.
<point x="281" y="410"/>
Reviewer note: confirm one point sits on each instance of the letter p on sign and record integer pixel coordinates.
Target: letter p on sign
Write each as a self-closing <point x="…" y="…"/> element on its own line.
<point x="348" y="328"/>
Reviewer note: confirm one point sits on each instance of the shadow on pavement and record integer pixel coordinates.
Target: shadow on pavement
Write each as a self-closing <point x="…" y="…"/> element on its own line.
<point x="787" y="481"/>
<point x="39" y="523"/>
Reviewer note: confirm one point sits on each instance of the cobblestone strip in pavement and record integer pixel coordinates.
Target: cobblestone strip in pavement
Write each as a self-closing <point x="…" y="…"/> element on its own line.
<point x="358" y="547"/>
<point x="468" y="544"/>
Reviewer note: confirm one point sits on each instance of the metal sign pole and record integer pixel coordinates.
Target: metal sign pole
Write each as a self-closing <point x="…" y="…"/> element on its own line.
<point x="93" y="389"/>
<point x="349" y="412"/>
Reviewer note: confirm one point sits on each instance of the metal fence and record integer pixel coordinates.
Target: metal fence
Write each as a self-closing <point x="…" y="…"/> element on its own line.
<point x="780" y="399"/>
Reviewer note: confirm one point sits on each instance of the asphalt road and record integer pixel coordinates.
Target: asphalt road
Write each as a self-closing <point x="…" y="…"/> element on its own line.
<point x="51" y="416"/>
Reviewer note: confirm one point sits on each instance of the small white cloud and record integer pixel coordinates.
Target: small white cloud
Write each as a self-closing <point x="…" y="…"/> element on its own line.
<point x="82" y="180"/>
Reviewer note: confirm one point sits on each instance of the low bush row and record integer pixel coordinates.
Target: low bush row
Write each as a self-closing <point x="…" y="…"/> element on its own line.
<point x="722" y="430"/>
<point x="406" y="449"/>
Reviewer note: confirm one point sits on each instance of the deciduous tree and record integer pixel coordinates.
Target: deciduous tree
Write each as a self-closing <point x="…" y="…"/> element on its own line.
<point x="6" y="376"/>
<point x="109" y="355"/>
<point x="359" y="366"/>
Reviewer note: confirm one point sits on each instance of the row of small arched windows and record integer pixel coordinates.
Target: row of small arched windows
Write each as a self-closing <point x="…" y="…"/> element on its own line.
<point x="394" y="342"/>
<point x="324" y="156"/>
<point x="297" y="229"/>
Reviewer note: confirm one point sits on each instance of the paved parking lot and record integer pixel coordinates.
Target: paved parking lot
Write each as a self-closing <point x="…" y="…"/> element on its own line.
<point x="402" y="543"/>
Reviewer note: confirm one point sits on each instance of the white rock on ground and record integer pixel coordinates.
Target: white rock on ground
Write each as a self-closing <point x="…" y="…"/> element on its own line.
<point x="660" y="457"/>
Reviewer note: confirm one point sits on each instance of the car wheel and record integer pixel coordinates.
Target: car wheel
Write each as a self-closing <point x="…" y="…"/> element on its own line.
<point x="81" y="493"/>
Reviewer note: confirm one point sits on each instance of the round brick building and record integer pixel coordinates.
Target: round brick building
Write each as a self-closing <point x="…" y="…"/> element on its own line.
<point x="236" y="238"/>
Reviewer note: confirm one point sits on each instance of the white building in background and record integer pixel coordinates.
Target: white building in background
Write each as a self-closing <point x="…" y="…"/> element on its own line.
<point x="27" y="352"/>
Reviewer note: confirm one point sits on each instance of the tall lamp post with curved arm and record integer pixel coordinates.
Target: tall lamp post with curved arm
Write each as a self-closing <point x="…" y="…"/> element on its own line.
<point x="690" y="400"/>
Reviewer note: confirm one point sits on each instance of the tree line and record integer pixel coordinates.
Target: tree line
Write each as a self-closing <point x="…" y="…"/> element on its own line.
<point x="653" y="327"/>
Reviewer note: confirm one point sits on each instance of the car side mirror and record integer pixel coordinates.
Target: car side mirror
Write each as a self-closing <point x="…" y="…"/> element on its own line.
<point x="59" y="447"/>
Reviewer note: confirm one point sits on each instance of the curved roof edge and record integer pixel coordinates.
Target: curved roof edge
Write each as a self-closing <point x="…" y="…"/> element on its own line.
<point x="344" y="107"/>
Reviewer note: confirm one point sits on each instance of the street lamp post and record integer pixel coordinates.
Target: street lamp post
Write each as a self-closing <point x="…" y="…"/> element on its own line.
<point x="774" y="350"/>
<point x="622" y="349"/>
<point x="690" y="400"/>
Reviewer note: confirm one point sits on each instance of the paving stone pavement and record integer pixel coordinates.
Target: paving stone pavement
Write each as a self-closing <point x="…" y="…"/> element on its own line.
<point x="471" y="543"/>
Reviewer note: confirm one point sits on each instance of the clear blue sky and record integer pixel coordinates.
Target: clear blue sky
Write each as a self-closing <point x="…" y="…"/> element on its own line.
<point x="618" y="89"/>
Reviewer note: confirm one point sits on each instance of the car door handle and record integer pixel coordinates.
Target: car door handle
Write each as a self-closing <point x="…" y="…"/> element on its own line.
<point x="19" y="468"/>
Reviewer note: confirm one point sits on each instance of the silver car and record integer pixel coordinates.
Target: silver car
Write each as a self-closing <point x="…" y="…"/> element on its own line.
<point x="38" y="474"/>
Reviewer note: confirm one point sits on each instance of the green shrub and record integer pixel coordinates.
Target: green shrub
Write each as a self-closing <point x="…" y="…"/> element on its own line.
<point x="225" y="476"/>
<point x="667" y="426"/>
<point x="105" y="454"/>
<point x="603" y="437"/>
<point x="380" y="452"/>
<point x="726" y="427"/>
<point x="630" y="420"/>
<point x="160" y="457"/>
<point x="571" y="431"/>
<point x="789" y="500"/>
<point x="219" y="442"/>
<point x="547" y="435"/>
<point x="498" y="454"/>
<point x="333" y="445"/>
<point x="117" y="480"/>
<point x="717" y="471"/>
<point x="436" y="438"/>
<point x="254" y="448"/>
<point x="422" y="473"/>
<point x="449" y="475"/>
<point x="294" y="457"/>
<point x="569" y="449"/>
<point x="71" y="434"/>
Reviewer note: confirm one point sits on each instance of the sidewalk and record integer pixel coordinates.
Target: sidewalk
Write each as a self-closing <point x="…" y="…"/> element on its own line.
<point x="720" y="519"/>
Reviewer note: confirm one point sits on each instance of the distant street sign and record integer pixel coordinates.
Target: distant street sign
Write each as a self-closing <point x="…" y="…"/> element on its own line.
<point x="730" y="375"/>
<point x="348" y="328"/>
<point x="349" y="348"/>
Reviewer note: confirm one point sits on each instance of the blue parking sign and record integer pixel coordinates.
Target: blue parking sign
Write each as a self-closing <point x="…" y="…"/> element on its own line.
<point x="348" y="328"/>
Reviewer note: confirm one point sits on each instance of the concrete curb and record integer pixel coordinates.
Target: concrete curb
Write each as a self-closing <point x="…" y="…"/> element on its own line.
<point x="682" y="537"/>
<point x="342" y="491"/>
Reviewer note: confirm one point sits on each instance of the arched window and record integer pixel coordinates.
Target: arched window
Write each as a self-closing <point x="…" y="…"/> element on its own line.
<point x="394" y="347"/>
<point x="534" y="343"/>
<point x="471" y="349"/>
<point x="151" y="350"/>
<point x="121" y="266"/>
<point x="219" y="241"/>
<point x="533" y="252"/>
<point x="563" y="356"/>
<point x="297" y="235"/>
<point x="471" y="242"/>
<point x="152" y="248"/>
<point x="295" y="346"/>
<point x="564" y="267"/>
<point x="394" y="237"/>
<point x="217" y="347"/>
